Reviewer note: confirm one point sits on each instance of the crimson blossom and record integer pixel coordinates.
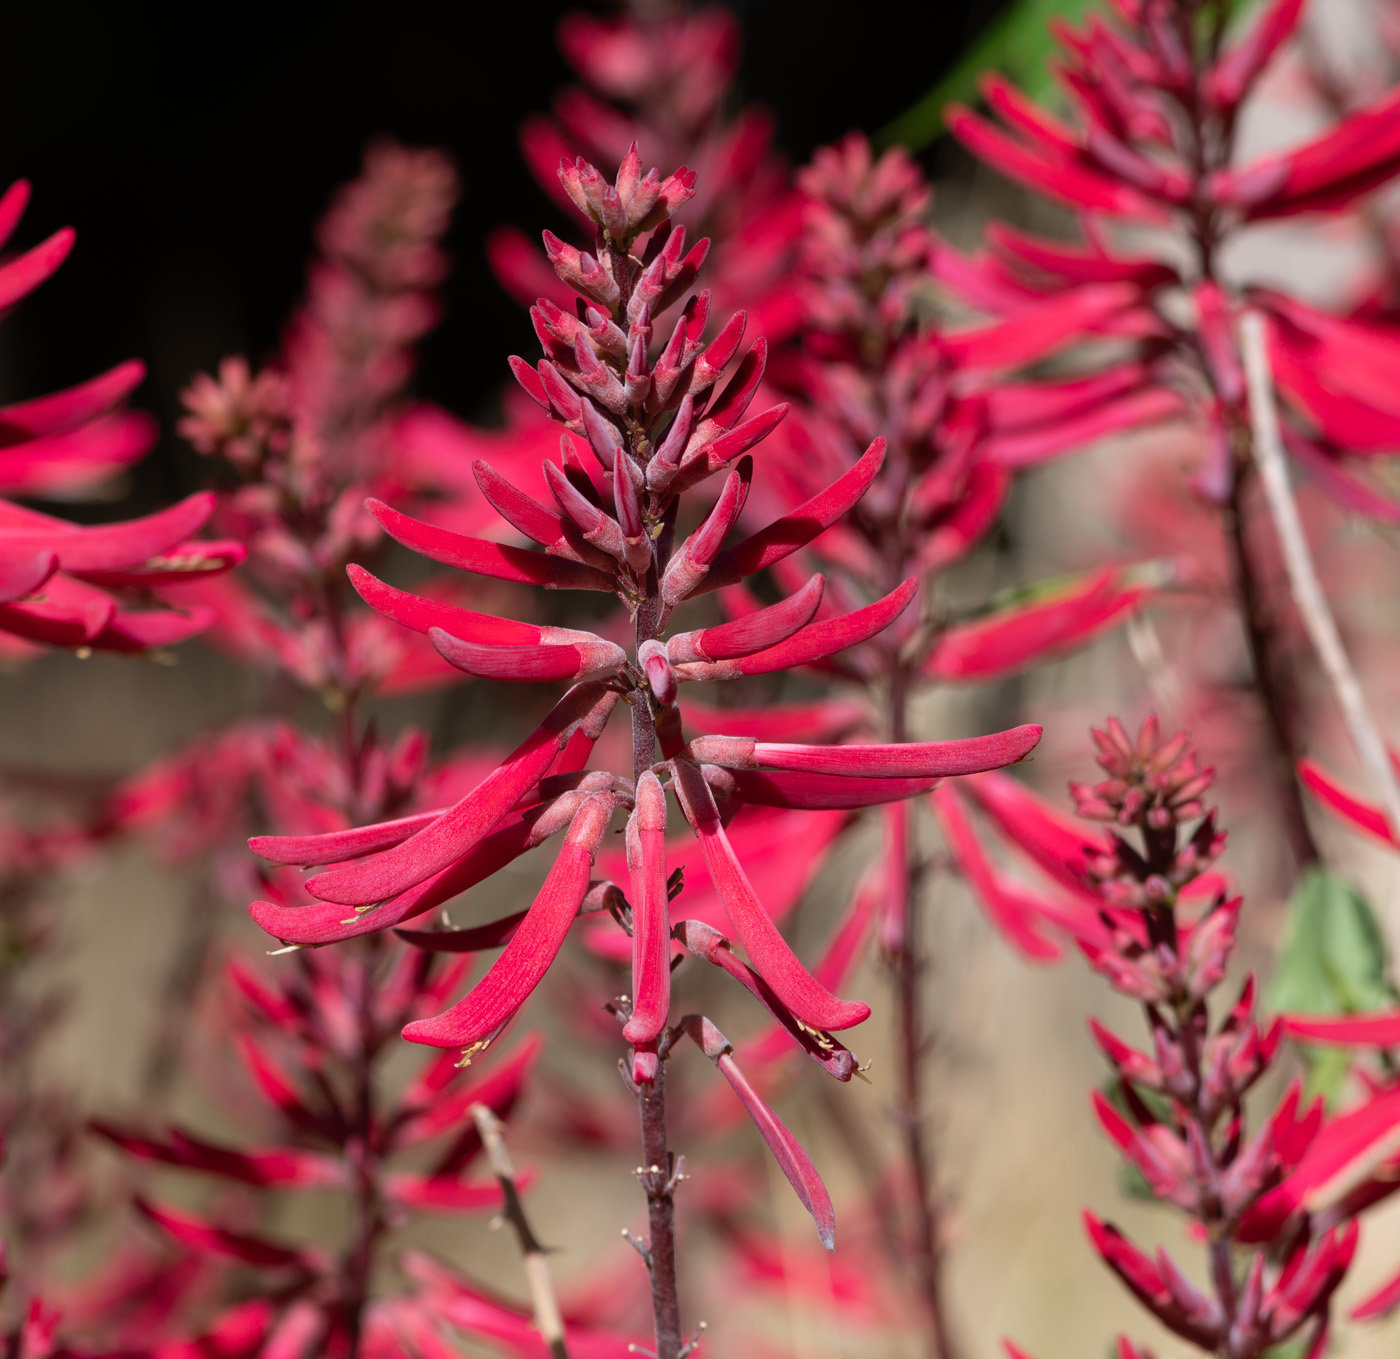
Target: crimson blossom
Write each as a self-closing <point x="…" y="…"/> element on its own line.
<point x="643" y="424"/>
<point x="61" y="584"/>
<point x="1157" y="93"/>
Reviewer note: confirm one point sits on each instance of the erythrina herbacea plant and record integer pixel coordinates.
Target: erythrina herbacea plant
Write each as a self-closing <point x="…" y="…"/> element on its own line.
<point x="872" y="362"/>
<point x="646" y="418"/>
<point x="1158" y="94"/>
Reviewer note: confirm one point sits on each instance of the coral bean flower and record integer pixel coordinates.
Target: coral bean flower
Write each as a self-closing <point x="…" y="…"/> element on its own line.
<point x="648" y="411"/>
<point x="60" y="584"/>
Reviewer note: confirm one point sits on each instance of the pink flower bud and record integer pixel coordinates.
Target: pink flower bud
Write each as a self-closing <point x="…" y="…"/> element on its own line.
<point x="661" y="677"/>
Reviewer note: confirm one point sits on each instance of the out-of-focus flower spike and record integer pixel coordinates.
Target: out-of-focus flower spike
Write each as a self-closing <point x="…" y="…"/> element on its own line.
<point x="773" y="960"/>
<point x="691" y="562"/>
<point x="1349" y="160"/>
<point x="12" y="205"/>
<point x="1339" y="799"/>
<point x="753" y="632"/>
<point x="206" y="1238"/>
<point x="1028" y="445"/>
<point x="910" y="760"/>
<point x="813" y="643"/>
<point x="1014" y="911"/>
<point x="1235" y="71"/>
<point x="586" y="706"/>
<point x="1007" y="641"/>
<point x="793" y="1161"/>
<point x="65" y="410"/>
<point x="22" y="274"/>
<point x="484" y="558"/>
<point x="651" y="926"/>
<point x="798" y="528"/>
<point x="1381" y="1030"/>
<point x="1062" y="179"/>
<point x="707" y="943"/>
<point x="1039" y="329"/>
<point x="1381" y="1303"/>
<point x="583" y="660"/>
<point x="515" y="974"/>
<point x="1216" y="332"/>
<point x="1135" y="1268"/>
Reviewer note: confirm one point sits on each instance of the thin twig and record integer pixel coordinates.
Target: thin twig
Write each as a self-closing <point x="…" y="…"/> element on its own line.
<point x="542" y="1299"/>
<point x="1302" y="573"/>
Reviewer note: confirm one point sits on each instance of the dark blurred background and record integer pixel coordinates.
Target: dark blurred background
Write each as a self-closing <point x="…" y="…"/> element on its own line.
<point x="194" y="147"/>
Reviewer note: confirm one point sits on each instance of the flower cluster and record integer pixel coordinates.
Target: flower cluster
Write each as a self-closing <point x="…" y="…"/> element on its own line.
<point x="1176" y="1112"/>
<point x="311" y="435"/>
<point x="313" y="1046"/>
<point x="61" y="584"/>
<point x="647" y="413"/>
<point x="1158" y="92"/>
<point x="660" y="77"/>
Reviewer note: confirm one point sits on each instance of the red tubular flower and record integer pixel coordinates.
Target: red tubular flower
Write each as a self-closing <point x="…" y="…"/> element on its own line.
<point x="651" y="925"/>
<point x="57" y="579"/>
<point x="795" y="1163"/>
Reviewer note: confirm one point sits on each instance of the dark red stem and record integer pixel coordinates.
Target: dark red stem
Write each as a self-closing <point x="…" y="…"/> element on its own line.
<point x="909" y="965"/>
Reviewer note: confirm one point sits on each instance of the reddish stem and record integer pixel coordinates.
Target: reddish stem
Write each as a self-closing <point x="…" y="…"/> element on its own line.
<point x="908" y="965"/>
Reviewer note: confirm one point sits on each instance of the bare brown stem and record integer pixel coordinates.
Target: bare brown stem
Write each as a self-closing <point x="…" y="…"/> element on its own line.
<point x="542" y="1300"/>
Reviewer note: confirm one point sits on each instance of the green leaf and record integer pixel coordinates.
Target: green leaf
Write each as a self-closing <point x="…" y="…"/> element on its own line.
<point x="1333" y="962"/>
<point x="1017" y="43"/>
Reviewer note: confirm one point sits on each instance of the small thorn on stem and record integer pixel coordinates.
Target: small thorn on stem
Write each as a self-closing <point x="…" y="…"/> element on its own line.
<point x="696" y="1337"/>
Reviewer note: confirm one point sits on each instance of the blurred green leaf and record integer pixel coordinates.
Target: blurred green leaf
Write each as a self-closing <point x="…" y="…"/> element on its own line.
<point x="1333" y="962"/>
<point x="1018" y="44"/>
